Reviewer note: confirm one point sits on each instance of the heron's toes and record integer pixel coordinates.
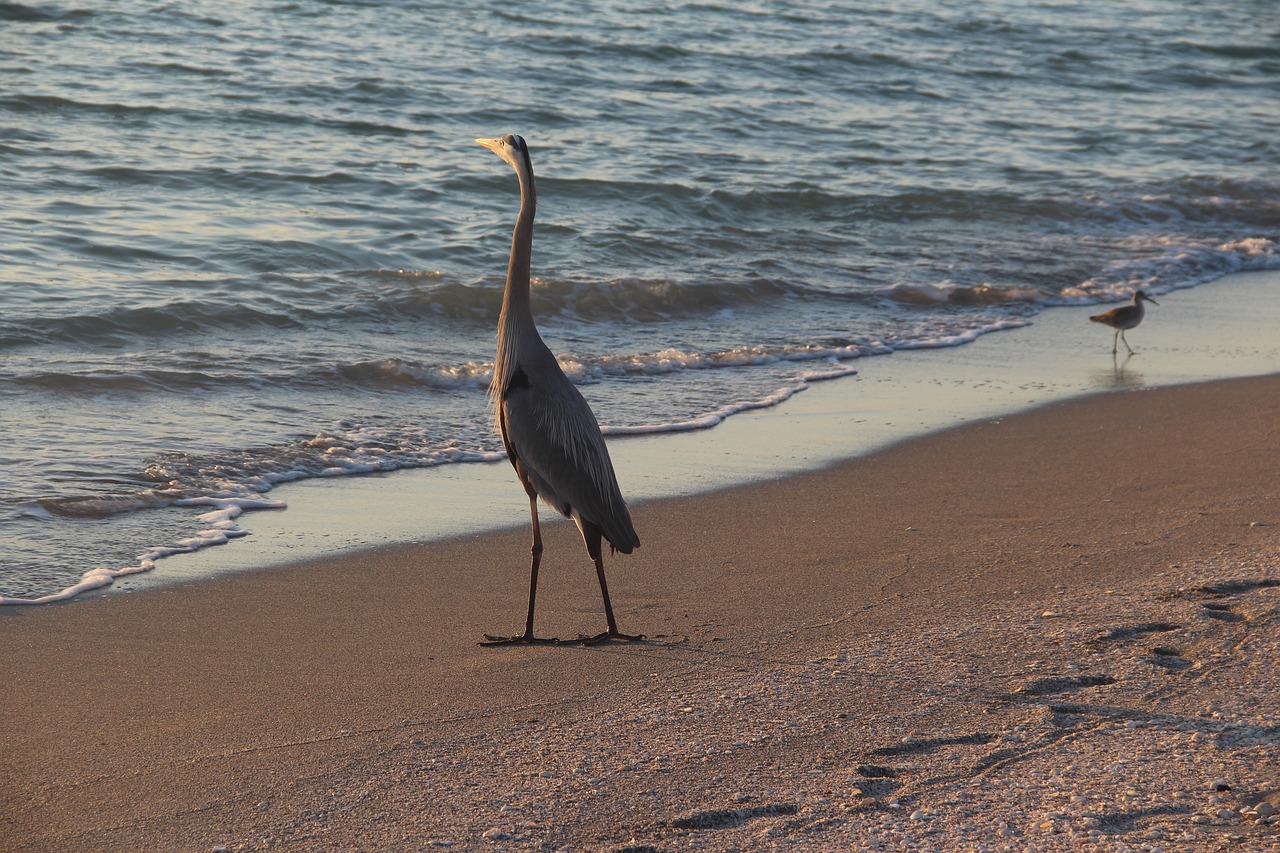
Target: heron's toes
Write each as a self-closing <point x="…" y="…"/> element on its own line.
<point x="603" y="638"/>
<point x="522" y="640"/>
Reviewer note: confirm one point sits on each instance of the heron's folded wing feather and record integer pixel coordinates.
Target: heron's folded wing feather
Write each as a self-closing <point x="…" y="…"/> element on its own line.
<point x="558" y="442"/>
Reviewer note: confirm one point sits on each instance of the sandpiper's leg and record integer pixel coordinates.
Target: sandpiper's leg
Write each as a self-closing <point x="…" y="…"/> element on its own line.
<point x="1126" y="342"/>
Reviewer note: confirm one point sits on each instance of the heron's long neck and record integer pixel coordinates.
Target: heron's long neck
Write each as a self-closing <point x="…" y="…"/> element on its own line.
<point x="515" y="323"/>
<point x="516" y="298"/>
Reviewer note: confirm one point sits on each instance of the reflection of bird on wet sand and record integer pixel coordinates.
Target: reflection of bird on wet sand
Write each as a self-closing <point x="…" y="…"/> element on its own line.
<point x="1119" y="376"/>
<point x="1124" y="317"/>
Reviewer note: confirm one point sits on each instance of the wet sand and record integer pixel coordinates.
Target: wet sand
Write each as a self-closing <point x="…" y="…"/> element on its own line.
<point x="970" y="640"/>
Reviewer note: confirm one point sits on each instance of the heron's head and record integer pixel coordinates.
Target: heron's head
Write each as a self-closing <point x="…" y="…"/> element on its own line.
<point x="1141" y="296"/>
<point x="511" y="148"/>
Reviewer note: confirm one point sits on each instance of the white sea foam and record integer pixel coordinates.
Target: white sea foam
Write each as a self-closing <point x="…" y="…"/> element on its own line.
<point x="222" y="529"/>
<point x="1161" y="263"/>
<point x="835" y="372"/>
<point x="937" y="341"/>
<point x="675" y="360"/>
<point x="710" y="419"/>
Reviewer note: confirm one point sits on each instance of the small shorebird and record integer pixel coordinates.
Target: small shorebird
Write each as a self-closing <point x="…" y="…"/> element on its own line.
<point x="1124" y="317"/>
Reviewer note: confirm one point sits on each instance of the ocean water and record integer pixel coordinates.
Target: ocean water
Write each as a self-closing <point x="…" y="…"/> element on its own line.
<point x="248" y="243"/>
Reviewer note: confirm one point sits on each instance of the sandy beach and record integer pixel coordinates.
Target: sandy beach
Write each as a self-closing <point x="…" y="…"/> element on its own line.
<point x="1008" y="649"/>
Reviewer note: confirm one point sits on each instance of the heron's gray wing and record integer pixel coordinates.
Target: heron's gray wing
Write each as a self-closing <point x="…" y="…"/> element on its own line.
<point x="558" y="444"/>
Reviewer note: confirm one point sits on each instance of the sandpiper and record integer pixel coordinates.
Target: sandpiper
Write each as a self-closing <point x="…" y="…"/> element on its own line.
<point x="1124" y="317"/>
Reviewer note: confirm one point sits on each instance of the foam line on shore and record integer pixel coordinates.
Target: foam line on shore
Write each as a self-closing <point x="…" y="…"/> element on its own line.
<point x="888" y="400"/>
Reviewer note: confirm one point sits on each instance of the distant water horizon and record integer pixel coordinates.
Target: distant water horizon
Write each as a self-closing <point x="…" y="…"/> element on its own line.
<point x="248" y="245"/>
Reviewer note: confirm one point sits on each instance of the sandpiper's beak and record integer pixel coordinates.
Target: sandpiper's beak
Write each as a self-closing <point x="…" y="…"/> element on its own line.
<point x="1149" y="299"/>
<point x="491" y="144"/>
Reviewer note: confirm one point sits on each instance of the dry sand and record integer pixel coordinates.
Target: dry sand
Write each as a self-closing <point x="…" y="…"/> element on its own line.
<point x="1051" y="631"/>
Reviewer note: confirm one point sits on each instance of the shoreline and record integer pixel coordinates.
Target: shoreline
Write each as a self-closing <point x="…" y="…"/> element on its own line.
<point x="949" y="640"/>
<point x="893" y="399"/>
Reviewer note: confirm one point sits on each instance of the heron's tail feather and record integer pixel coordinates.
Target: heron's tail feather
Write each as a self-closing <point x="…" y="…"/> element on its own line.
<point x="631" y="546"/>
<point x="621" y="535"/>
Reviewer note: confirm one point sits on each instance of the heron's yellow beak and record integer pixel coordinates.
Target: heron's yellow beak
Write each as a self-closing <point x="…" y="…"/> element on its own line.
<point x="491" y="144"/>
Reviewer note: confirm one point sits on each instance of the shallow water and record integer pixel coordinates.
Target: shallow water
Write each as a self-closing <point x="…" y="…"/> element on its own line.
<point x="247" y="244"/>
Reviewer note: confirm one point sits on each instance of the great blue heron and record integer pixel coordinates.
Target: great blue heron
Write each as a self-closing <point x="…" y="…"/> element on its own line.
<point x="1124" y="317"/>
<point x="552" y="437"/>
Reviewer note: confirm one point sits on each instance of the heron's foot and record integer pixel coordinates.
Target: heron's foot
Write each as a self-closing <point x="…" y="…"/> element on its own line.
<point x="522" y="640"/>
<point x="603" y="638"/>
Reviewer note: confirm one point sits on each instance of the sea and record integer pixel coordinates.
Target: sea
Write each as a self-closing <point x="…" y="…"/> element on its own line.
<point x="253" y="242"/>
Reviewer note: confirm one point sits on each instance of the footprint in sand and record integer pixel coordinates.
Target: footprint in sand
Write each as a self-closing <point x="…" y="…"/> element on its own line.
<point x="1221" y="612"/>
<point x="919" y="745"/>
<point x="1169" y="659"/>
<point x="1133" y="632"/>
<point x="1063" y="684"/>
<point x="727" y="818"/>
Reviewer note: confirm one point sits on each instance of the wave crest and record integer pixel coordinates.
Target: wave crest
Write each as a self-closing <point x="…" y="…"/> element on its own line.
<point x="948" y="293"/>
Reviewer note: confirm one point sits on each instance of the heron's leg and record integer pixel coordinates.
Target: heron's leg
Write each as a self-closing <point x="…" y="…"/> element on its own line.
<point x="591" y="535"/>
<point x="536" y="551"/>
